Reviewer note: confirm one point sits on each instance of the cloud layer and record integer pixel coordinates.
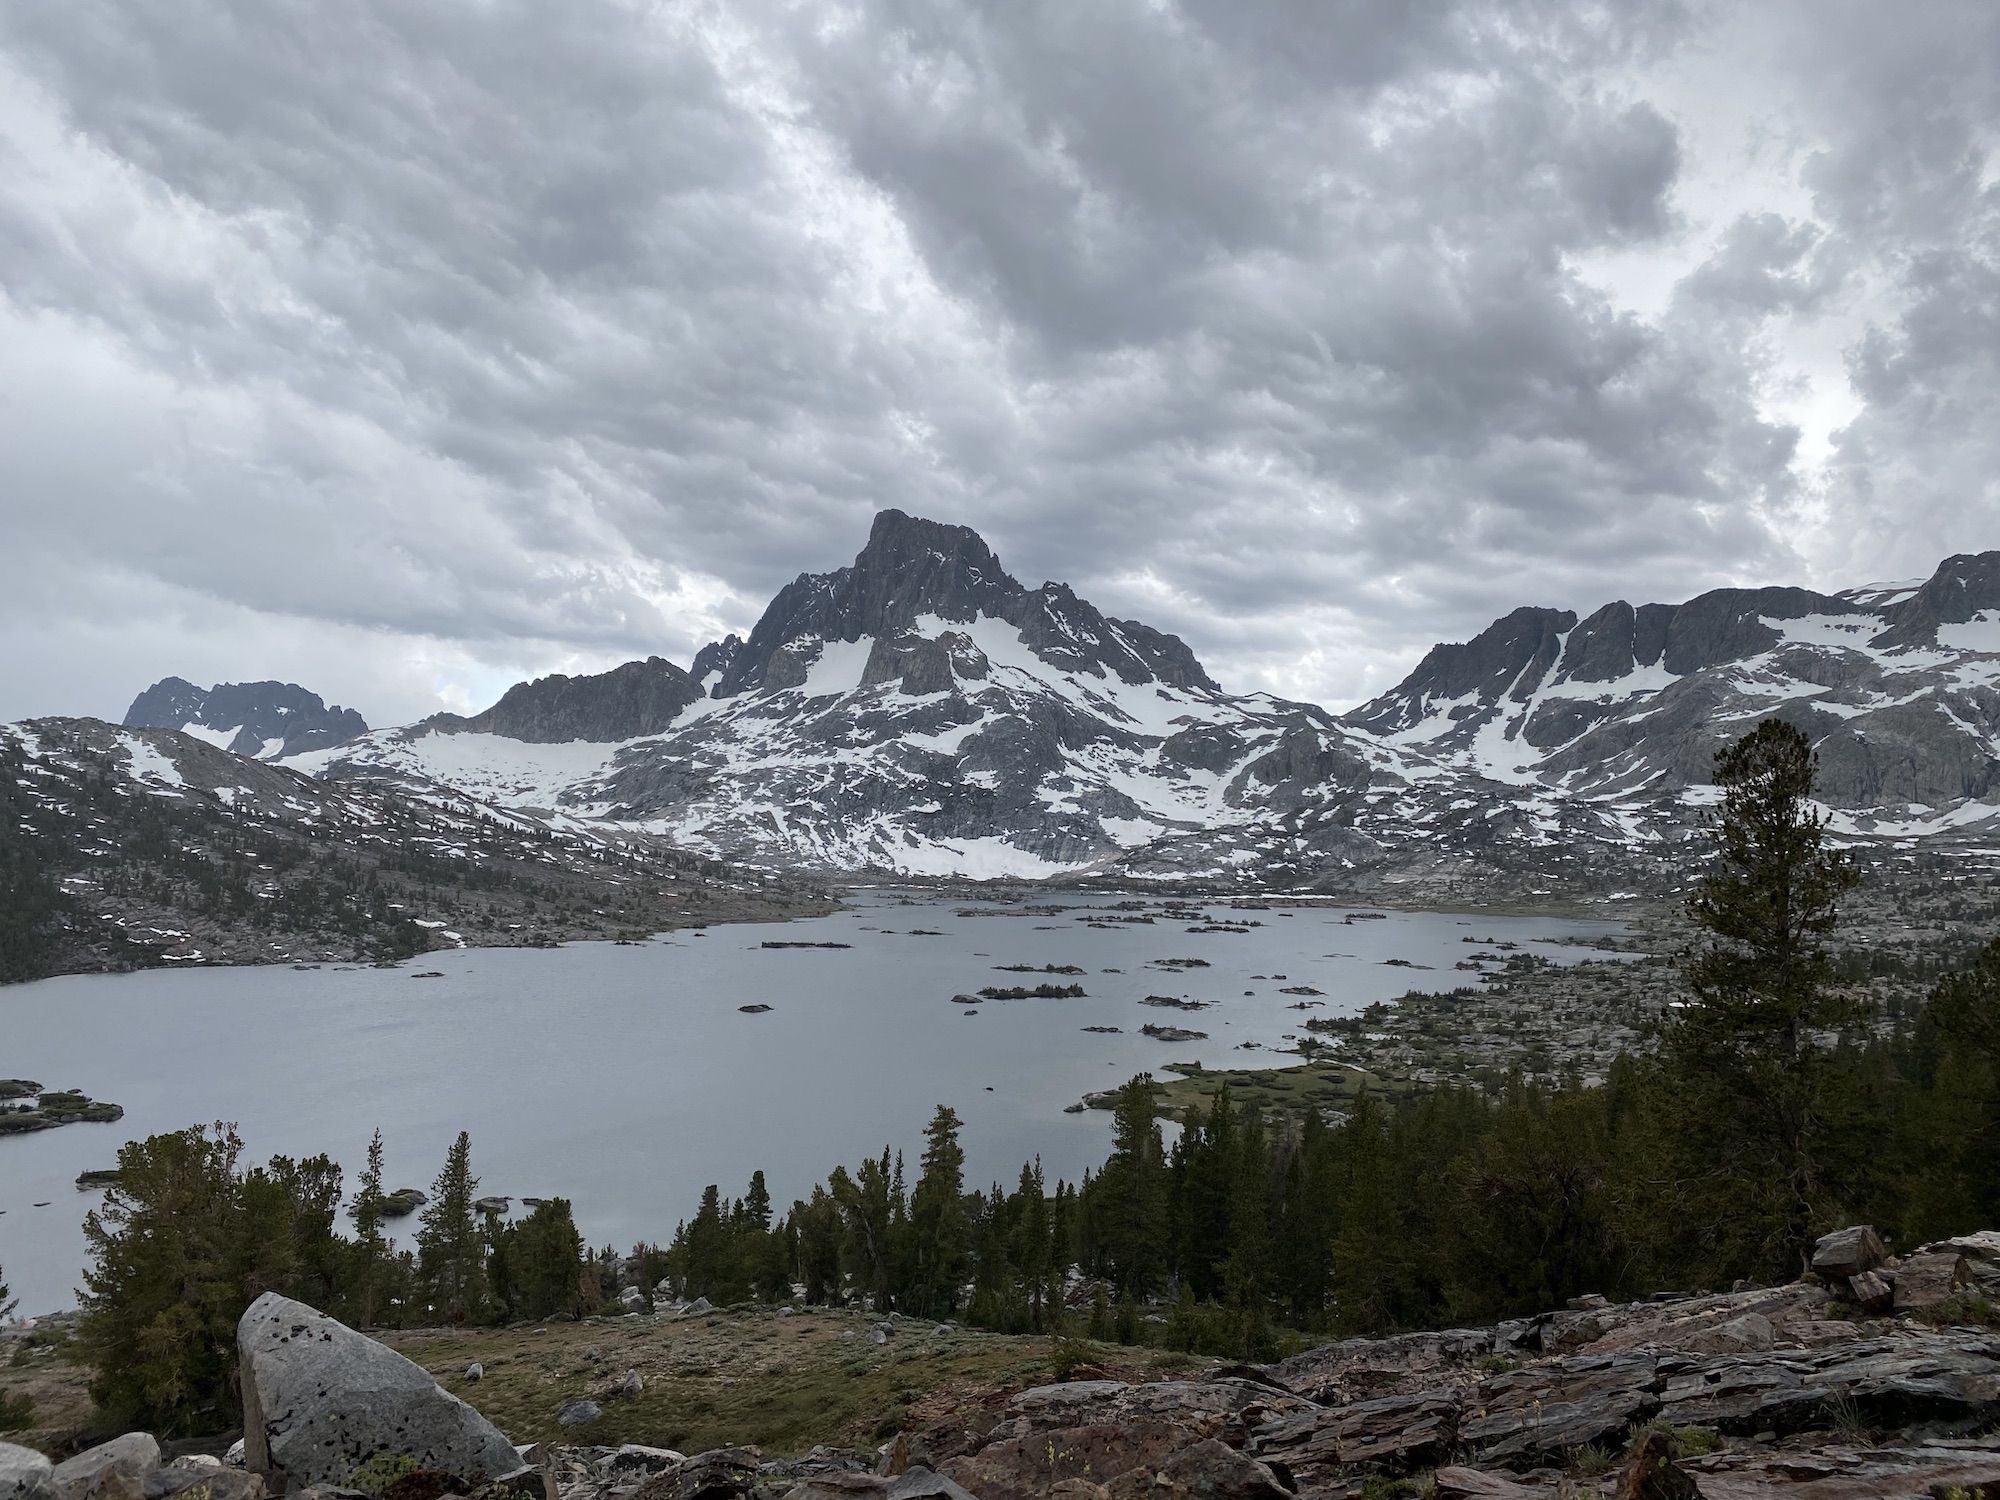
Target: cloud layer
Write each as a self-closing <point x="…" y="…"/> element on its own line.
<point x="404" y="347"/>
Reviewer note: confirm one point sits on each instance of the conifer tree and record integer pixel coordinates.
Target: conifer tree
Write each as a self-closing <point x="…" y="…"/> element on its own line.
<point x="1746" y="1061"/>
<point x="7" y="1303"/>
<point x="451" y="1251"/>
<point x="1131" y="1192"/>
<point x="938" y="1241"/>
<point x="544" y="1256"/>
<point x="371" y="1253"/>
<point x="817" y="1224"/>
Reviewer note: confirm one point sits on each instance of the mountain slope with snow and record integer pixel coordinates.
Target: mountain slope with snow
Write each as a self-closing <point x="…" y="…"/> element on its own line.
<point x="1897" y="685"/>
<point x="921" y="712"/>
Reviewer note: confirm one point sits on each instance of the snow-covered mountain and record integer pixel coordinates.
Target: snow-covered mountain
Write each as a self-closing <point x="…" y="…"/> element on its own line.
<point x="1897" y="684"/>
<point x="922" y="712"/>
<point x="263" y="720"/>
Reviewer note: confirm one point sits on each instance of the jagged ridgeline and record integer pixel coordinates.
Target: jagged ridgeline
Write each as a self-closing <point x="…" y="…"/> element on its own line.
<point x="922" y="711"/>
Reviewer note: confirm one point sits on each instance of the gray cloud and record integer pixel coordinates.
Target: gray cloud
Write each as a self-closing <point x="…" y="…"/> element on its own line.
<point x="406" y="347"/>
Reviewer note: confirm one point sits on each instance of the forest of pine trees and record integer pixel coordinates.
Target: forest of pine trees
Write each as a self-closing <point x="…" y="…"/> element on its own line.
<point x="1766" y="1111"/>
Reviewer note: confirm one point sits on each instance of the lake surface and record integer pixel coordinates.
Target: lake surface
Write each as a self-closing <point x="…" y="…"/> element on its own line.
<point x="625" y="1078"/>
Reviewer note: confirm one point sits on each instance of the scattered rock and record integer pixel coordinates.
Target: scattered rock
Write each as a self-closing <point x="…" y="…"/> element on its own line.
<point x="131" y="1457"/>
<point x="1929" y="1278"/>
<point x="636" y="1458"/>
<point x="634" y="1384"/>
<point x="475" y="1371"/>
<point x="578" y="1413"/>
<point x="1848" y="1252"/>
<point x="216" y="1483"/>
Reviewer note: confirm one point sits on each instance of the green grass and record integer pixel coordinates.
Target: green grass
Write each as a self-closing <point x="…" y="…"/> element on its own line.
<point x="746" y="1376"/>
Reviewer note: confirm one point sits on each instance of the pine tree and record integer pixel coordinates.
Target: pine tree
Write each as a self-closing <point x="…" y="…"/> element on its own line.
<point x="938" y="1240"/>
<point x="1745" y="1062"/>
<point x="372" y="1252"/>
<point x="1033" y="1248"/>
<point x="451" y="1251"/>
<point x="158" y="1313"/>
<point x="545" y="1259"/>
<point x="1131" y="1196"/>
<point x="7" y="1303"/>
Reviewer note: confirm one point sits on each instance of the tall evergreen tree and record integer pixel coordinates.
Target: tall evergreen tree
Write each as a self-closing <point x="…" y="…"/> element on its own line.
<point x="451" y="1251"/>
<point x="372" y="1254"/>
<point x="1745" y="1061"/>
<point x="1131" y="1192"/>
<point x="938" y="1238"/>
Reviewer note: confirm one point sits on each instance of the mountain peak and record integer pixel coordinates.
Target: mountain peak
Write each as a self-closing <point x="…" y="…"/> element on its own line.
<point x="910" y="567"/>
<point x="266" y="720"/>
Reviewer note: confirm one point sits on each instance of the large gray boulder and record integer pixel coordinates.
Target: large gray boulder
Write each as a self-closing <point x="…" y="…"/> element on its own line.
<point x="133" y="1456"/>
<point x="320" y="1400"/>
<point x="25" y="1474"/>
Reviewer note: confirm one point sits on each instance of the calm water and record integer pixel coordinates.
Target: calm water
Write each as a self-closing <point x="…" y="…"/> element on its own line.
<point x="626" y="1078"/>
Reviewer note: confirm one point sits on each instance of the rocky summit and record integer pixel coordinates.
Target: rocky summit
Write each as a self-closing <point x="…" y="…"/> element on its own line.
<point x="263" y="720"/>
<point x="922" y="712"/>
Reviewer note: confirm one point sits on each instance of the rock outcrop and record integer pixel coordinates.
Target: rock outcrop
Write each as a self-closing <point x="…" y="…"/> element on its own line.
<point x="320" y="1401"/>
<point x="1770" y="1393"/>
<point x="625" y="703"/>
<point x="263" y="720"/>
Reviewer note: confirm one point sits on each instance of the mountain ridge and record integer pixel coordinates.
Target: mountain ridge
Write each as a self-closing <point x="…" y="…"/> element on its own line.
<point x="919" y="711"/>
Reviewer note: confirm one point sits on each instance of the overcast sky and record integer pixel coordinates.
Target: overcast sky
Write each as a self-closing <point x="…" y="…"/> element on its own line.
<point x="404" y="348"/>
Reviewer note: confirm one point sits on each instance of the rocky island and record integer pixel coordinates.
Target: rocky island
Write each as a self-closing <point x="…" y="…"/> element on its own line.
<point x="25" y="1105"/>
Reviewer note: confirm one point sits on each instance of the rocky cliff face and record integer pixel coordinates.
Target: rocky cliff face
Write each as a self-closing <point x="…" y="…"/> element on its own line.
<point x="263" y="720"/>
<point x="638" y="698"/>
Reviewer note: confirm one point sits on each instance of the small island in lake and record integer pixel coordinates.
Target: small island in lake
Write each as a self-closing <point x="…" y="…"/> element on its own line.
<point x="25" y="1105"/>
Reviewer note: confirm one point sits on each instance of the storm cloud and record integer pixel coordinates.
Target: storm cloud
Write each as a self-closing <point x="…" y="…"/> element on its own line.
<point x="407" y="347"/>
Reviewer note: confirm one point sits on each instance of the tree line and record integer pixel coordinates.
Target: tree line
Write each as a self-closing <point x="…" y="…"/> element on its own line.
<point x="1768" y="1109"/>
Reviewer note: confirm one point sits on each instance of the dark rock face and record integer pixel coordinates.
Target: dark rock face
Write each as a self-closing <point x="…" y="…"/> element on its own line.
<point x="713" y="661"/>
<point x="1508" y="658"/>
<point x="638" y="698"/>
<point x="912" y="568"/>
<point x="1961" y="588"/>
<point x="259" y="714"/>
<point x="909" y="567"/>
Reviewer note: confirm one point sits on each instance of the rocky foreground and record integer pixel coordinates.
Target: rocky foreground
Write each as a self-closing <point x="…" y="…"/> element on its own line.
<point x="1871" y="1377"/>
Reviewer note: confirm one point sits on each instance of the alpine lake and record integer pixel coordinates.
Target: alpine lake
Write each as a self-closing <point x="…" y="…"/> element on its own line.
<point x="625" y="1077"/>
